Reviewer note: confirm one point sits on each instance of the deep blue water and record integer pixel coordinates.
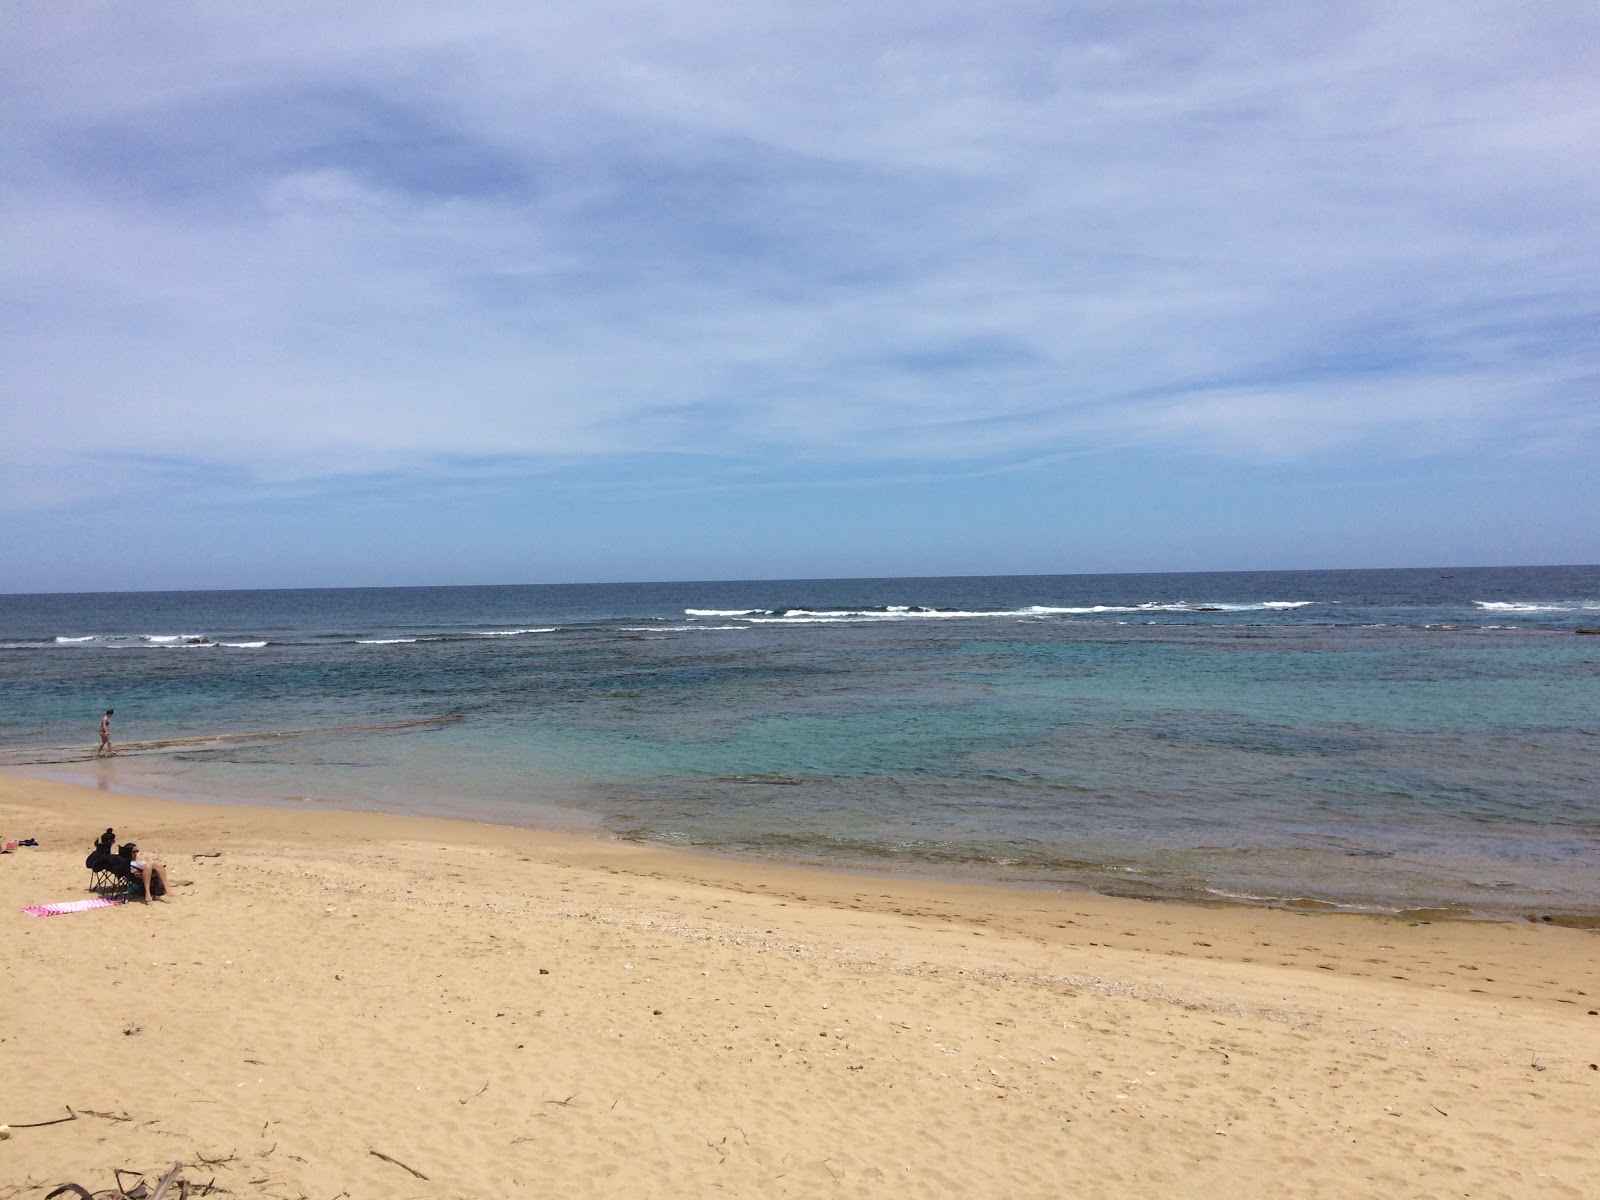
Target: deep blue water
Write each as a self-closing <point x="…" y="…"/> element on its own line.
<point x="1389" y="739"/>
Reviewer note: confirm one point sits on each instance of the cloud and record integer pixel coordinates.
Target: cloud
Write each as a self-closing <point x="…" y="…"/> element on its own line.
<point x="280" y="246"/>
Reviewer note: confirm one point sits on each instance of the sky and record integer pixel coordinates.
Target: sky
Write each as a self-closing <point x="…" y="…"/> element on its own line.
<point x="386" y="293"/>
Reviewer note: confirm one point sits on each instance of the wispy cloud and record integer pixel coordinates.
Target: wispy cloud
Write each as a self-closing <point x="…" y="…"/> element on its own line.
<point x="297" y="243"/>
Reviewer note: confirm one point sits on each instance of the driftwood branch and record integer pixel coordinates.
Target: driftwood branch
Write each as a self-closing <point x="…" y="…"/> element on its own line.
<point x="71" y="1116"/>
<point x="396" y="1162"/>
<point x="166" y="1181"/>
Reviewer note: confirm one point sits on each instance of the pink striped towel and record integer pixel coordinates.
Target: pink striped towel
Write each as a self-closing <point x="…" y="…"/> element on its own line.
<point x="67" y="906"/>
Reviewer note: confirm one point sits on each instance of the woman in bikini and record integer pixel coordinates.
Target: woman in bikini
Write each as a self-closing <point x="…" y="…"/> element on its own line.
<point x="144" y="869"/>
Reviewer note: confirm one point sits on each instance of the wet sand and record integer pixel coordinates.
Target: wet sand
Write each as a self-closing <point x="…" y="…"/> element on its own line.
<point x="382" y="1006"/>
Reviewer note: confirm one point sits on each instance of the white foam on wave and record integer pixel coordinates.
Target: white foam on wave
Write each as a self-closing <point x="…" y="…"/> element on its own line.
<point x="124" y="641"/>
<point x="1260" y="898"/>
<point x="512" y="632"/>
<point x="1176" y="606"/>
<point x="127" y="641"/>
<point x="898" y="612"/>
<point x="1533" y="606"/>
<point x="1051" y="610"/>
<point x="911" y="612"/>
<point x="174" y="641"/>
<point x="243" y="645"/>
<point x="384" y="641"/>
<point x="812" y="616"/>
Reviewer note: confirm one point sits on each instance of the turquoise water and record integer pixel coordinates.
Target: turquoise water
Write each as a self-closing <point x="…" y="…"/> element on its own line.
<point x="1274" y="737"/>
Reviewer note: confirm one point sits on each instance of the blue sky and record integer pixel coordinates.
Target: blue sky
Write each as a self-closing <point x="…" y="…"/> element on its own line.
<point x="307" y="294"/>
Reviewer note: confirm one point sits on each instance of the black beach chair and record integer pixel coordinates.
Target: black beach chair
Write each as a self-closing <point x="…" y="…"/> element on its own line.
<point x="112" y="874"/>
<point x="101" y="877"/>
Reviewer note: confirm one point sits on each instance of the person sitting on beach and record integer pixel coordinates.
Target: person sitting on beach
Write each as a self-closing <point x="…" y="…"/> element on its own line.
<point x="145" y="869"/>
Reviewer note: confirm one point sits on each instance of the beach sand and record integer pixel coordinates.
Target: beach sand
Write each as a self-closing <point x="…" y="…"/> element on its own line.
<point x="505" y="1012"/>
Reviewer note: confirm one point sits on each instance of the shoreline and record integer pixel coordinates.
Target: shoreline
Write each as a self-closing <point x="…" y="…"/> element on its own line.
<point x="1574" y="916"/>
<point x="510" y="1012"/>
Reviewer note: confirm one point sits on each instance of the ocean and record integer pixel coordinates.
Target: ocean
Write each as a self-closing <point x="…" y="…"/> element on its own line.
<point x="1377" y="740"/>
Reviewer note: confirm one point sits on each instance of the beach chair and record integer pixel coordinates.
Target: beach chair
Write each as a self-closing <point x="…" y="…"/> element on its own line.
<point x="102" y="878"/>
<point x="111" y="873"/>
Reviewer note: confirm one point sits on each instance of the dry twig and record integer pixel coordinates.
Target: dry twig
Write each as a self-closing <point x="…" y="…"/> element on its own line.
<point x="396" y="1162"/>
<point x="71" y="1116"/>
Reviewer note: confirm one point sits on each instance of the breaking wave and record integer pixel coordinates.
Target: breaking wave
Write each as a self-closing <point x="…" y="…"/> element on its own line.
<point x="1538" y="606"/>
<point x="917" y="612"/>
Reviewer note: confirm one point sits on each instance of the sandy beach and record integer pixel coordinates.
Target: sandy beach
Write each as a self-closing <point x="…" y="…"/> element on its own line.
<point x="347" y="1004"/>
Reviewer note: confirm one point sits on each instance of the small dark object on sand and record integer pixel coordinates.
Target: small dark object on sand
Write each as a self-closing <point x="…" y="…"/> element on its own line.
<point x="396" y="1162"/>
<point x="71" y="1116"/>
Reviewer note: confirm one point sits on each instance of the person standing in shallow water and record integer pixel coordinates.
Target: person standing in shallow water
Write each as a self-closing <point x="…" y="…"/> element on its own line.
<point x="105" y="735"/>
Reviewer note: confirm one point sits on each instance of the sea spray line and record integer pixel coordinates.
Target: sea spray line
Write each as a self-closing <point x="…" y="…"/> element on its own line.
<point x="901" y="612"/>
<point x="465" y="636"/>
<point x="1532" y="606"/>
<point x="165" y="641"/>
